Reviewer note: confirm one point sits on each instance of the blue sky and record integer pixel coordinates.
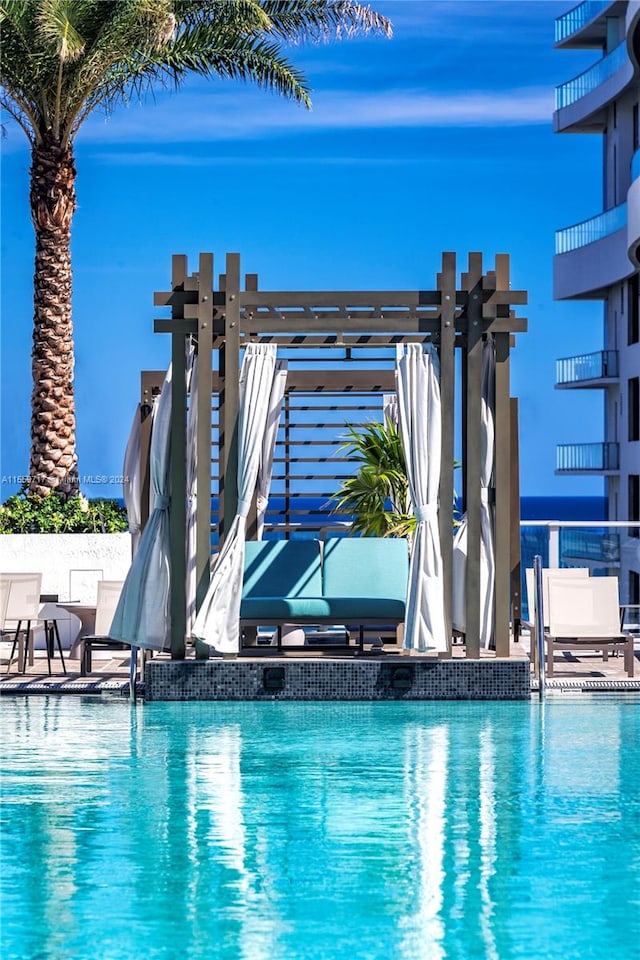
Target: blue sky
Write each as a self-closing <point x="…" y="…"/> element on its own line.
<point x="438" y="139"/>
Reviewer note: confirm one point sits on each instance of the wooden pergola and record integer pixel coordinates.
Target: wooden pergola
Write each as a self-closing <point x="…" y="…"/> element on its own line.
<point x="348" y="336"/>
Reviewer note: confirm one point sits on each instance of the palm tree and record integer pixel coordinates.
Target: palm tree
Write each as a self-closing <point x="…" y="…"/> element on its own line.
<point x="377" y="495"/>
<point x="61" y="59"/>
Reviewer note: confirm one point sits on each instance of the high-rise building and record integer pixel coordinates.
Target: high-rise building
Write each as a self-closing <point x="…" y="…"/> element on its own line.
<point x="599" y="259"/>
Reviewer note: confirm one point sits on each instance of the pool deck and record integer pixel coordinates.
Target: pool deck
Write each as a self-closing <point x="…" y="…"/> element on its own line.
<point x="584" y="671"/>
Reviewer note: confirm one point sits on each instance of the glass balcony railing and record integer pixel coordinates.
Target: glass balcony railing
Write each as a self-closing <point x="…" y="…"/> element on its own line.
<point x="589" y="366"/>
<point x="605" y="548"/>
<point x="594" y="546"/>
<point x="580" y="234"/>
<point x="583" y="84"/>
<point x="578" y="457"/>
<point x="635" y="166"/>
<point x="579" y="17"/>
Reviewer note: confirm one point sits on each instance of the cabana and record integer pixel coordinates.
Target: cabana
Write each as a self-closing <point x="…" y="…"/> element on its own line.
<point x="340" y="347"/>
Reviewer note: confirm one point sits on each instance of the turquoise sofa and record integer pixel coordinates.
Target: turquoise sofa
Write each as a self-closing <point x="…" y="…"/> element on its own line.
<point x="343" y="580"/>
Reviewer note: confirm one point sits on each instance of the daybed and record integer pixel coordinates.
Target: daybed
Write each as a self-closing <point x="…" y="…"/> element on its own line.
<point x="343" y="580"/>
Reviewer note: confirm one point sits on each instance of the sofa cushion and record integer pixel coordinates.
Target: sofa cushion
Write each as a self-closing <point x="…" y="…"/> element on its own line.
<point x="365" y="608"/>
<point x="282" y="568"/>
<point x="366" y="567"/>
<point x="293" y="609"/>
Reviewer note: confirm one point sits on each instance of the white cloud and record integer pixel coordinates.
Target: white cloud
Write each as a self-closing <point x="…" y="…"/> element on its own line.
<point x="207" y="116"/>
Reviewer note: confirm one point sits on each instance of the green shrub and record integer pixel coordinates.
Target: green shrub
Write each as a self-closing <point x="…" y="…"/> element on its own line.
<point x="27" y="513"/>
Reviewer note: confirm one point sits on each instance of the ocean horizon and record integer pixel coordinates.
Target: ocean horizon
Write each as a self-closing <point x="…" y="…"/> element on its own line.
<point x="531" y="508"/>
<point x="563" y="508"/>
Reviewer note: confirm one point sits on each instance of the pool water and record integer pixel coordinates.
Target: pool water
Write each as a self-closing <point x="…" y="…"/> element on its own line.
<point x="318" y="831"/>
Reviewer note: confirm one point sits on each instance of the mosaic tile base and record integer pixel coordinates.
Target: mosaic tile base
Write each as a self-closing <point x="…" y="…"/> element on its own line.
<point x="398" y="679"/>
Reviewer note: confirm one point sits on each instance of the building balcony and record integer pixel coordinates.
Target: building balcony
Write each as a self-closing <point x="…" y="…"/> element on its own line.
<point x="592" y="255"/>
<point x="585" y="26"/>
<point x="591" y="79"/>
<point x="588" y="370"/>
<point x="581" y="102"/>
<point x="592" y="230"/>
<point x="588" y="458"/>
<point x="633" y="206"/>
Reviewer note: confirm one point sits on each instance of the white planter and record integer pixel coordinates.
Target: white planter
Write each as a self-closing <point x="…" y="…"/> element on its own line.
<point x="71" y="564"/>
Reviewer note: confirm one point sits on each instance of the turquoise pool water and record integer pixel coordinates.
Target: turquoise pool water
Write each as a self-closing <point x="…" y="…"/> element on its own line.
<point x="301" y="831"/>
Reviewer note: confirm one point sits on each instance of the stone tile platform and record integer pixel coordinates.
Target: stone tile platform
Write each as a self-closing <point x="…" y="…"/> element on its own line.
<point x="330" y="675"/>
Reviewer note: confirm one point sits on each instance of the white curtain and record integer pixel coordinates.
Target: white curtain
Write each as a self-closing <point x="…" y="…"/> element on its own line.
<point x="192" y="501"/>
<point x="218" y="620"/>
<point x="265" y="470"/>
<point x="131" y="485"/>
<point x="419" y="415"/>
<point x="487" y="550"/>
<point x="142" y="614"/>
<point x="131" y="491"/>
<point x="390" y="408"/>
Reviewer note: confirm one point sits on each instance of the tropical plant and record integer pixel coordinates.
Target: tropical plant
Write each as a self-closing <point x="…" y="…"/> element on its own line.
<point x="28" y="513"/>
<point x="377" y="495"/>
<point x="61" y="59"/>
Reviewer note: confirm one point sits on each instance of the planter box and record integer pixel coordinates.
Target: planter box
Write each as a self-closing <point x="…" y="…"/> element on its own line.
<point x="71" y="564"/>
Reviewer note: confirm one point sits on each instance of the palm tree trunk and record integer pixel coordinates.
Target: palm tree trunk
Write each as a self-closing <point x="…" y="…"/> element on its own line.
<point x="54" y="462"/>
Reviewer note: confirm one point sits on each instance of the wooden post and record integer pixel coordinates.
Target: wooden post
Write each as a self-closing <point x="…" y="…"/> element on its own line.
<point x="230" y="394"/>
<point x="502" y="470"/>
<point x="515" y="540"/>
<point x="203" y="438"/>
<point x="251" y="284"/>
<point x="472" y="282"/>
<point x="286" y="519"/>
<point x="502" y="496"/>
<point x="178" y="480"/>
<point x="250" y="633"/>
<point x="447" y="286"/>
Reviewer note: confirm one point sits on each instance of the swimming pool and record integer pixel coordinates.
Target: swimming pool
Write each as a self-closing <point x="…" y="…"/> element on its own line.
<point x="318" y="831"/>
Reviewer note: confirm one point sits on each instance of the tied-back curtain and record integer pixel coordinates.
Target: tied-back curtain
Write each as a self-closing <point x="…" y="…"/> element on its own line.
<point x="487" y="548"/>
<point x="142" y="614"/>
<point x="192" y="468"/>
<point x="218" y="620"/>
<point x="420" y="422"/>
<point x="265" y="470"/>
<point x="131" y="486"/>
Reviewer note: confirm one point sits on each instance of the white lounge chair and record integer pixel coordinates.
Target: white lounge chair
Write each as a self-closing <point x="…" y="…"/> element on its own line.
<point x="23" y="607"/>
<point x="584" y="613"/>
<point x="5" y="587"/>
<point x="564" y="572"/>
<point x="108" y="594"/>
<point x="26" y="605"/>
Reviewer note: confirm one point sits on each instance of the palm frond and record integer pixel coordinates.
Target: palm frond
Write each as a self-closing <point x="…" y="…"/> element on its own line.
<point x="63" y="58"/>
<point x="321" y="20"/>
<point x="377" y="495"/>
<point x="237" y="16"/>
<point x="57" y="23"/>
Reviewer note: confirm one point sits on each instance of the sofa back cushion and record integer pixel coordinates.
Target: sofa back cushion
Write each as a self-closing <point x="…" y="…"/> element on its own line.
<point x="282" y="568"/>
<point x="366" y="567"/>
